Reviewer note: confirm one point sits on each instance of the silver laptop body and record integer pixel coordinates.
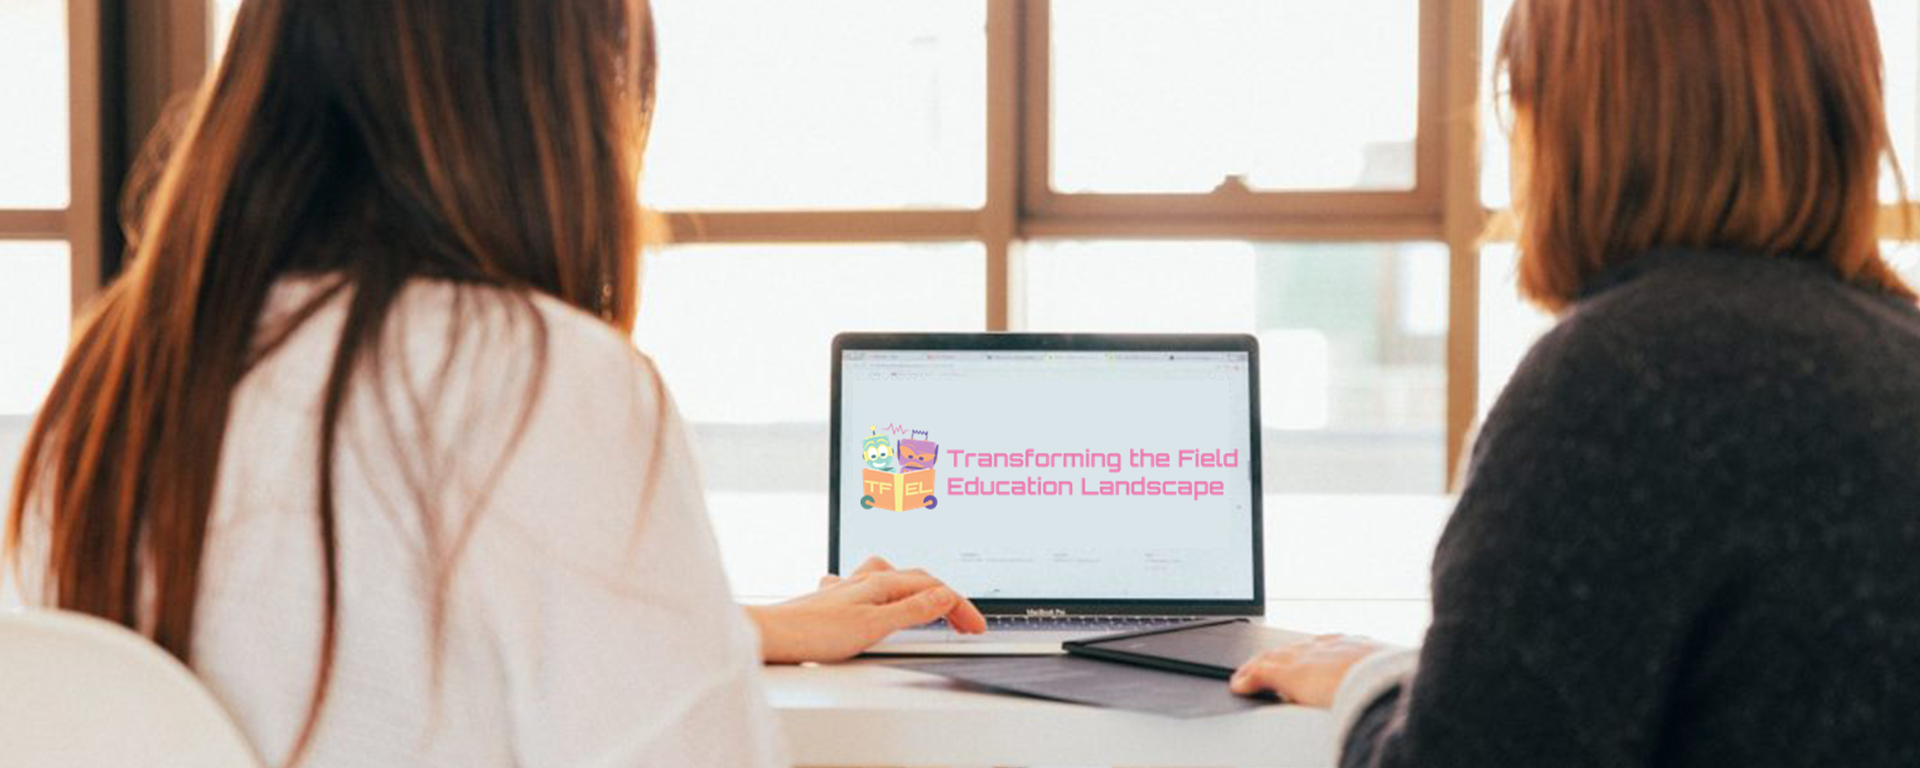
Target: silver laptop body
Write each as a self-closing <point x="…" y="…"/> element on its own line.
<point x="1069" y="484"/>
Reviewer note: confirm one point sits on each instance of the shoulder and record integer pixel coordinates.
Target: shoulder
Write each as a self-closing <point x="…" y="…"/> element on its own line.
<point x="482" y="323"/>
<point x="489" y="351"/>
<point x="1717" y="364"/>
<point x="1745" y="309"/>
<point x="479" y="353"/>
<point x="1696" y="322"/>
<point x="560" y="428"/>
<point x="495" y="397"/>
<point x="442" y="339"/>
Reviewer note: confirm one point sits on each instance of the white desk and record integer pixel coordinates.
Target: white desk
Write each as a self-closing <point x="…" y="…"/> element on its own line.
<point x="867" y="714"/>
<point x="1335" y="564"/>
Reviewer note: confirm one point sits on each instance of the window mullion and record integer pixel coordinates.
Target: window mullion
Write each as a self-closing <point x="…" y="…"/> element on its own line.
<point x="1000" y="219"/>
<point x="1465" y="222"/>
<point x="87" y="221"/>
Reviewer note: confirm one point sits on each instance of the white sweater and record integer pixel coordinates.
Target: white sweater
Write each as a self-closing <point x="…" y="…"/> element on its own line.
<point x="587" y="621"/>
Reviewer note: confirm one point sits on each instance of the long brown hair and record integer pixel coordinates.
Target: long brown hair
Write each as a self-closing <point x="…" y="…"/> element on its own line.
<point x="1734" y="124"/>
<point x="488" y="143"/>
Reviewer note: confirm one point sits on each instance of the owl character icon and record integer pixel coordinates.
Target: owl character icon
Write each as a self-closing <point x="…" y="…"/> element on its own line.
<point x="907" y="488"/>
<point x="878" y="452"/>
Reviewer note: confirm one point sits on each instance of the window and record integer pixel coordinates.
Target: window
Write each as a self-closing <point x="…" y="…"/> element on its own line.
<point x="1496" y="166"/>
<point x="868" y="104"/>
<point x="34" y="312"/>
<point x="38" y="195"/>
<point x="1352" y="341"/>
<point x="223" y="12"/>
<point x="1508" y="324"/>
<point x="1899" y="23"/>
<point x="740" y="333"/>
<point x="1136" y="105"/>
<point x="33" y="74"/>
<point x="1302" y="171"/>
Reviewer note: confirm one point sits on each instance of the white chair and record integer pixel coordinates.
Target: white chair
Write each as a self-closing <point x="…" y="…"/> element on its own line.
<point x="79" y="692"/>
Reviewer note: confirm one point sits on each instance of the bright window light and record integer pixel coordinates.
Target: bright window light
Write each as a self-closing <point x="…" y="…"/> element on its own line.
<point x="35" y="307"/>
<point x="1156" y="96"/>
<point x="33" y="77"/>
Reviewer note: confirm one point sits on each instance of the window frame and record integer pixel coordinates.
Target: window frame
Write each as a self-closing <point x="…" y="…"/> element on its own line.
<point x="1444" y="206"/>
<point x="1020" y="204"/>
<point x="1416" y="207"/>
<point x="76" y="224"/>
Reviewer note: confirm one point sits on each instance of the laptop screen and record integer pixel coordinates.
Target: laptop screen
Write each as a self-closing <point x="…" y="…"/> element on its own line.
<point x="1051" y="475"/>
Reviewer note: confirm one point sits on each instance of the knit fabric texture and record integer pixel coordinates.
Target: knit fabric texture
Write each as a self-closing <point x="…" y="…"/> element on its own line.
<point x="1689" y="536"/>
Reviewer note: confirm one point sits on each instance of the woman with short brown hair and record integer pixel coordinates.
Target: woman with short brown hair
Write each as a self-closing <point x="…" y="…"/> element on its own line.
<point x="1687" y="532"/>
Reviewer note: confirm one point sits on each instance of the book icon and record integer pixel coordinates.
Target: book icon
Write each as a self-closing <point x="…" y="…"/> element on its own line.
<point x="908" y="486"/>
<point x="898" y="491"/>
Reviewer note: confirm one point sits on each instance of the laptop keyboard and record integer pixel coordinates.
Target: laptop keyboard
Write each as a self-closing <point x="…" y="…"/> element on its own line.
<point x="1089" y="624"/>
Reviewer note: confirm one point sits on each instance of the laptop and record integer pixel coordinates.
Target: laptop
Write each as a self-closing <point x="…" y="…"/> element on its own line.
<point x="1072" y="485"/>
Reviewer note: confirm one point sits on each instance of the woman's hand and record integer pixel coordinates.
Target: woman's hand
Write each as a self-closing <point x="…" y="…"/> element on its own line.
<point x="847" y="616"/>
<point x="1307" y="673"/>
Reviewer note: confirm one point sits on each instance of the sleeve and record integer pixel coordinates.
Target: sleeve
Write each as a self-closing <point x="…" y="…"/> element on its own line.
<point x="1568" y="580"/>
<point x="1378" y="678"/>
<point x="616" y="633"/>
<point x="1364" y="727"/>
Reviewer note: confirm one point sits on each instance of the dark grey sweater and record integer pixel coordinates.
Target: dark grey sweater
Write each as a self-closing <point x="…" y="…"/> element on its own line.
<point x="1690" y="536"/>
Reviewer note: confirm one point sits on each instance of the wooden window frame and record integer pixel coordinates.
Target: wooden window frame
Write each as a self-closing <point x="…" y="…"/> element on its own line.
<point x="1020" y="205"/>
<point x="124" y="60"/>
<point x="165" y="53"/>
<point x="1444" y="206"/>
<point x="76" y="223"/>
<point x="1295" y="214"/>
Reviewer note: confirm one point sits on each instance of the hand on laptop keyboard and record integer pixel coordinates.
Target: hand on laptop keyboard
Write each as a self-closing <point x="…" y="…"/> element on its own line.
<point x="847" y="616"/>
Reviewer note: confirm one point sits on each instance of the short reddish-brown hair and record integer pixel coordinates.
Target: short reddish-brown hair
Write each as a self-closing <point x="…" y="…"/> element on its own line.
<point x="1746" y="124"/>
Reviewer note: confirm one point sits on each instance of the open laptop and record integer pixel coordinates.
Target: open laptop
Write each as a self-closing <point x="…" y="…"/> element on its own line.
<point x="1070" y="484"/>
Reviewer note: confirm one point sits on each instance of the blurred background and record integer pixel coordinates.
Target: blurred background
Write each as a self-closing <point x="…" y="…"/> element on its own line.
<point x="1326" y="174"/>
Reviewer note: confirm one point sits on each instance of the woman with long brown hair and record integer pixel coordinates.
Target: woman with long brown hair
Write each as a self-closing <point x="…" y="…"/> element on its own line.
<point x="359" y="435"/>
<point x="1687" y="535"/>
